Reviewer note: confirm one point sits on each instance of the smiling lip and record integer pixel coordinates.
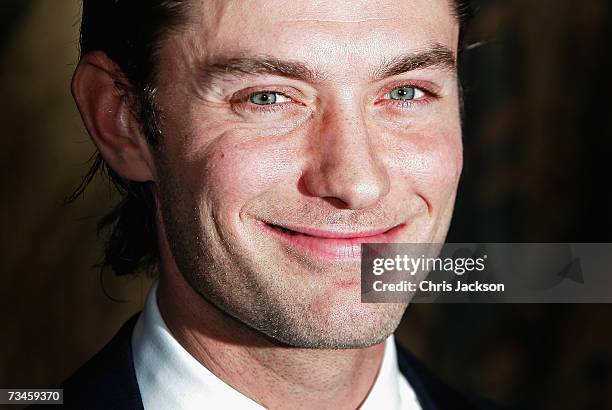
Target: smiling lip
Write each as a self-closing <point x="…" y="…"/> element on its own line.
<point x="330" y="245"/>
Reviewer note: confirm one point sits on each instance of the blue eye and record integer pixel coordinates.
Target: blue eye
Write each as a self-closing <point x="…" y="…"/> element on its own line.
<point x="268" y="98"/>
<point x="263" y="98"/>
<point x="403" y="93"/>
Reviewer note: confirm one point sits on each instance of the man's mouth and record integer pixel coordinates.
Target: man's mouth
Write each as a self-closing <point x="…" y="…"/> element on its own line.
<point x="283" y="230"/>
<point x="331" y="244"/>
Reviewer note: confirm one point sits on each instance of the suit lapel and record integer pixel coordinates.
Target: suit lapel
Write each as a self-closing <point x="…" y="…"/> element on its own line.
<point x="432" y="393"/>
<point x="108" y="380"/>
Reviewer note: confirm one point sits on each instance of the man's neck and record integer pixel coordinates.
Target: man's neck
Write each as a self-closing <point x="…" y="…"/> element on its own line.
<point x="270" y="373"/>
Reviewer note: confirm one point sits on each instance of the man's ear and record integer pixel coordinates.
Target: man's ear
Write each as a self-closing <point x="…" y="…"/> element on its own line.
<point x="109" y="117"/>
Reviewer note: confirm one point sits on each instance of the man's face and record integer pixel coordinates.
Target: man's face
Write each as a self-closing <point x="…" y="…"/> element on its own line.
<point x="294" y="131"/>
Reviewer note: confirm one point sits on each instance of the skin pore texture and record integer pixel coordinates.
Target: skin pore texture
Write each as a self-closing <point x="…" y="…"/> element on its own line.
<point x="261" y="207"/>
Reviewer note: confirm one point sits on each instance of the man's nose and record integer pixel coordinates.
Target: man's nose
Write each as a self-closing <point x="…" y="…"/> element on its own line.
<point x="346" y="166"/>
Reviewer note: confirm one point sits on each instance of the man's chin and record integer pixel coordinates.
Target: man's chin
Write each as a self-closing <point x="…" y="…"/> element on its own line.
<point x="342" y="331"/>
<point x="335" y="344"/>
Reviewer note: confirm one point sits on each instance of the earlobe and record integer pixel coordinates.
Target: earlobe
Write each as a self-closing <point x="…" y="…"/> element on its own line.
<point x="109" y="118"/>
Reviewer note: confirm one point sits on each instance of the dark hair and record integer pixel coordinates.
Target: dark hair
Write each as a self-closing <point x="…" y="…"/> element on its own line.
<point x="129" y="32"/>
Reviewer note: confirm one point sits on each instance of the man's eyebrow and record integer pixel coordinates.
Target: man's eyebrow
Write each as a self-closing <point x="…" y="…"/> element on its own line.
<point x="437" y="56"/>
<point x="221" y="67"/>
<point x="256" y="65"/>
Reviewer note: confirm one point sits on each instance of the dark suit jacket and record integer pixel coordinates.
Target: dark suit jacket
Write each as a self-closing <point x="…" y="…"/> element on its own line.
<point x="108" y="380"/>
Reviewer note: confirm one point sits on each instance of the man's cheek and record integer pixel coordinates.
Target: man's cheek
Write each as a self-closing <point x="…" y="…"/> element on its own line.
<point x="237" y="172"/>
<point x="445" y="152"/>
<point x="425" y="154"/>
<point x="444" y="163"/>
<point x="440" y="183"/>
<point x="430" y="165"/>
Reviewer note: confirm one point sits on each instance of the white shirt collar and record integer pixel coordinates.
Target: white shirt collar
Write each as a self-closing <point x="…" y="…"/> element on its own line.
<point x="170" y="378"/>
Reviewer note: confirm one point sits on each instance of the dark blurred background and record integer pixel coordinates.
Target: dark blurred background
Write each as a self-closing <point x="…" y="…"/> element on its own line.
<point x="538" y="138"/>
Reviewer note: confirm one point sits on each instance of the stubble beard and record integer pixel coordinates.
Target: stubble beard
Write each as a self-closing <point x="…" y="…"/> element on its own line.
<point x="260" y="296"/>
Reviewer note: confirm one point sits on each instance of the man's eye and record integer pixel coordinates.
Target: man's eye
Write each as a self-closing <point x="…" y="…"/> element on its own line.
<point x="406" y="93"/>
<point x="268" y="97"/>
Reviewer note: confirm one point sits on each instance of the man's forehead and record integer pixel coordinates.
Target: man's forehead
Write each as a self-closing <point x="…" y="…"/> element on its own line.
<point x="318" y="32"/>
<point x="258" y="17"/>
<point x="325" y="10"/>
